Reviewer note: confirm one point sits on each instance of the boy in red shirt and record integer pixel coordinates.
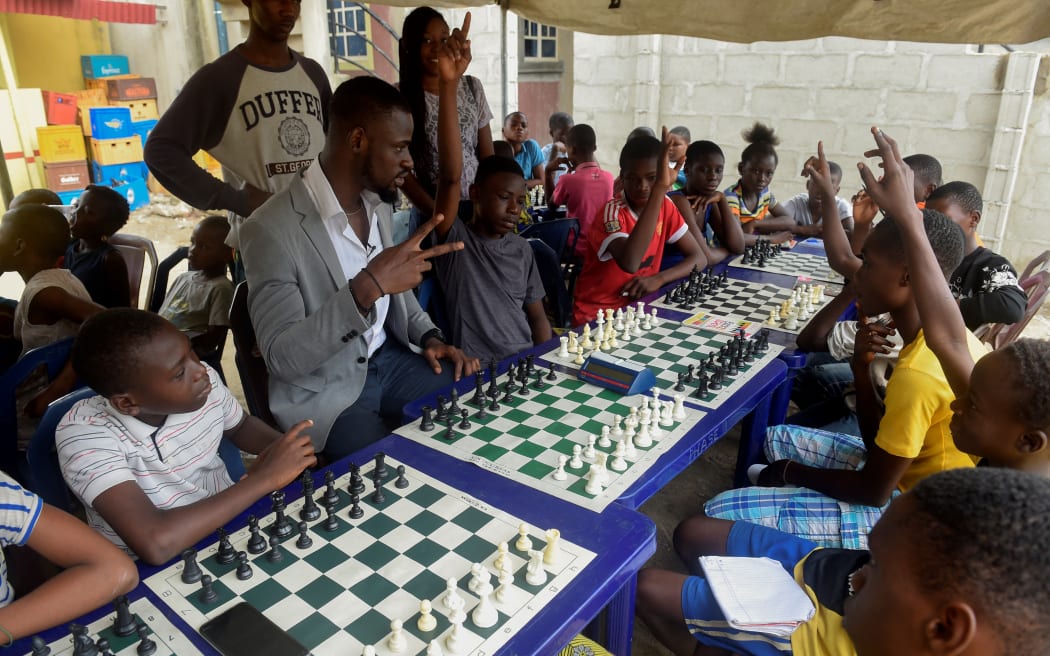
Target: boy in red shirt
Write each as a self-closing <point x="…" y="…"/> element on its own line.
<point x="625" y="244"/>
<point x="586" y="188"/>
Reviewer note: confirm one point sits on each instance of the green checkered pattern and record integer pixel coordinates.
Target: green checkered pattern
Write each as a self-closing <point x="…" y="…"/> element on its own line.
<point x="342" y="592"/>
<point x="523" y="439"/>
<point x="168" y="640"/>
<point x="788" y="263"/>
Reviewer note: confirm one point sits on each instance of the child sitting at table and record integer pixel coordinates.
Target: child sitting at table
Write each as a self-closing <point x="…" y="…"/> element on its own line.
<point x="704" y="207"/>
<point x="625" y="245"/>
<point x="844" y="482"/>
<point x="805" y="208"/>
<point x="587" y="188"/>
<point x="199" y="300"/>
<point x="558" y="126"/>
<point x="527" y="151"/>
<point x="750" y="200"/>
<point x="95" y="572"/>
<point x="493" y="291"/>
<point x="100" y="213"/>
<point x="956" y="565"/>
<point x="680" y="138"/>
<point x="143" y="455"/>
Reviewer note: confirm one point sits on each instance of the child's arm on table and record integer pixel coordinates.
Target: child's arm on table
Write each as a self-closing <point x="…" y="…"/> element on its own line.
<point x="539" y="325"/>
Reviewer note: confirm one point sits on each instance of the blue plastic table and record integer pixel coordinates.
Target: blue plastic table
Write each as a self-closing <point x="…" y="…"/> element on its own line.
<point x="622" y="539"/>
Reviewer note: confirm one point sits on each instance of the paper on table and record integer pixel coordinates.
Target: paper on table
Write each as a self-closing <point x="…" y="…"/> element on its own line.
<point x="757" y="594"/>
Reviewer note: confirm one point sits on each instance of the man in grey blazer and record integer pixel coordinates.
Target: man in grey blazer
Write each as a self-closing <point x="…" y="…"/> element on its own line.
<point x="344" y="339"/>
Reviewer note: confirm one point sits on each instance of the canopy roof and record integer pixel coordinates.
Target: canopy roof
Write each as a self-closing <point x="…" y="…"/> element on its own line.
<point x="742" y="21"/>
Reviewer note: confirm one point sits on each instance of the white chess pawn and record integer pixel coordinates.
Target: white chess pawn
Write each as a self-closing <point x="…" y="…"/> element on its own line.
<point x="604" y="441"/>
<point x="636" y="329"/>
<point x="454" y="639"/>
<point x="613" y="343"/>
<point x="654" y="425"/>
<point x="506" y="579"/>
<point x="679" y="407"/>
<point x="647" y="322"/>
<point x="666" y="414"/>
<point x="579" y="357"/>
<point x="524" y="542"/>
<point x="774" y="317"/>
<point x="600" y="319"/>
<point x="594" y="481"/>
<point x="618" y="463"/>
<point x="628" y="448"/>
<point x="629" y="425"/>
<point x="534" y="572"/>
<point x="426" y="621"/>
<point x="625" y="334"/>
<point x="396" y="642"/>
<point x="559" y="473"/>
<point x="643" y="439"/>
<point x="552" y="552"/>
<point x="617" y="430"/>
<point x="587" y="342"/>
<point x="451" y="599"/>
<point x="563" y="347"/>
<point x="653" y="319"/>
<point x="602" y="469"/>
<point x="368" y="650"/>
<point x="502" y="556"/>
<point x="589" y="451"/>
<point x="434" y="649"/>
<point x="477" y="573"/>
<point x="576" y="463"/>
<point x="619" y="320"/>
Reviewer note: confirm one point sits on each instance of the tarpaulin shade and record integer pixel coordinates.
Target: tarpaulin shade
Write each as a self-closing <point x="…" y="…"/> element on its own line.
<point x="109" y="12"/>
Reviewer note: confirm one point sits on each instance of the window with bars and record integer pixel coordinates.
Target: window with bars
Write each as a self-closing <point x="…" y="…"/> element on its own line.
<point x="539" y="41"/>
<point x="347" y="26"/>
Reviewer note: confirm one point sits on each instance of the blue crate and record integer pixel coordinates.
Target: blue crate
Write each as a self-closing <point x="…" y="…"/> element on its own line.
<point x="143" y="128"/>
<point x="110" y="122"/>
<point x="136" y="192"/>
<point x="98" y="66"/>
<point x="69" y="197"/>
<point x="107" y="174"/>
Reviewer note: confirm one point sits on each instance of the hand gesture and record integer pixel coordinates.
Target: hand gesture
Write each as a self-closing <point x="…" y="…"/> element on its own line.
<point x="701" y="202"/>
<point x="640" y="286"/>
<point x="895" y="192"/>
<point x="436" y="350"/>
<point x="665" y="173"/>
<point x="864" y="208"/>
<point x="283" y="461"/>
<point x="454" y="53"/>
<point x="816" y="169"/>
<point x="400" y="268"/>
<point x="872" y="339"/>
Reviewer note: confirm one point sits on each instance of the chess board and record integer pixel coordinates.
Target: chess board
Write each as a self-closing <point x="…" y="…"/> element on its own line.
<point x="523" y="439"/>
<point x="747" y="302"/>
<point x="671" y="347"/>
<point x="169" y="640"/>
<point x="793" y="264"/>
<point x="343" y="591"/>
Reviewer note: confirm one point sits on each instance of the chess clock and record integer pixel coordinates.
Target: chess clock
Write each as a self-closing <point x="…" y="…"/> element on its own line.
<point x="617" y="374"/>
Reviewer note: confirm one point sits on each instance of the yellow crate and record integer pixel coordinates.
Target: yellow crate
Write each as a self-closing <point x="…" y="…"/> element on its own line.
<point x="141" y="110"/>
<point x="117" y="151"/>
<point x="62" y="143"/>
<point x="102" y="83"/>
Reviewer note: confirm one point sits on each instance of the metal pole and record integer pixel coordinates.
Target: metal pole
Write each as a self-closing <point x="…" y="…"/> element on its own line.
<point x="504" y="83"/>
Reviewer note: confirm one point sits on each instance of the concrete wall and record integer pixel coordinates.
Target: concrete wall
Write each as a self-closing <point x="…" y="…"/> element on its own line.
<point x="940" y="99"/>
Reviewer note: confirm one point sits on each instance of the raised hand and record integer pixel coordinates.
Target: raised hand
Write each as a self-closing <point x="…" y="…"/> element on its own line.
<point x="816" y="169"/>
<point x="666" y="174"/>
<point x="454" y="55"/>
<point x="400" y="268"/>
<point x="895" y="191"/>
<point x="864" y="208"/>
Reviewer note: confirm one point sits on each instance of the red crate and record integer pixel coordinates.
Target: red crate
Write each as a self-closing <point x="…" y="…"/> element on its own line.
<point x="60" y="108"/>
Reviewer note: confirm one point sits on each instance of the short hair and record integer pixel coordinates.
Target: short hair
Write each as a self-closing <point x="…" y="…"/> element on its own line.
<point x="360" y="99"/>
<point x="495" y="164"/>
<point x="114" y="210"/>
<point x="702" y="148"/>
<point x="559" y="120"/>
<point x="1031" y="360"/>
<point x="640" y="148"/>
<point x="981" y="535"/>
<point x="926" y="167"/>
<point x="35" y="197"/>
<point x="105" y="353"/>
<point x="43" y="228"/>
<point x="963" y="194"/>
<point x="681" y="131"/>
<point x="761" y="140"/>
<point x="835" y="169"/>
<point x="502" y="148"/>
<point x="945" y="237"/>
<point x="215" y="222"/>
<point x="521" y="114"/>
<point x="582" y="137"/>
<point x="641" y="131"/>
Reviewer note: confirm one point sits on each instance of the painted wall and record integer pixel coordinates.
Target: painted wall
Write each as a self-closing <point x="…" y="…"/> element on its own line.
<point x="45" y="50"/>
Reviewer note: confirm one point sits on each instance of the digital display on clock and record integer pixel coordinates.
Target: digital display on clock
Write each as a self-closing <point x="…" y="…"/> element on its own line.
<point x="605" y="371"/>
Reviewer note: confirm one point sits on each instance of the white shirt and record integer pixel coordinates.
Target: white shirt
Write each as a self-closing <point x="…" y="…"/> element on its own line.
<point x="353" y="255"/>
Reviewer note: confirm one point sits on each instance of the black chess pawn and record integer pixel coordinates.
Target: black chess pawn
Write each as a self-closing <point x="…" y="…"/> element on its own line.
<point x="530" y="363"/>
<point x="551" y="376"/>
<point x="331" y="497"/>
<point x="304" y="541"/>
<point x="355" y="506"/>
<point x="380" y="471"/>
<point x="701" y="387"/>
<point x="426" y="424"/>
<point x="690" y="374"/>
<point x="146" y="646"/>
<point x="256" y="543"/>
<point x="124" y="623"/>
<point x="40" y="647"/>
<point x="226" y="552"/>
<point x="401" y="482"/>
<point x="539" y="384"/>
<point x="680" y="385"/>
<point x="453" y="408"/>
<point x="494" y="404"/>
<point x="191" y="569"/>
<point x="281" y="527"/>
<point x="523" y="386"/>
<point x="442" y="409"/>
<point x="450" y="433"/>
<point x="244" y="570"/>
<point x="103" y="647"/>
<point x="377" y="496"/>
<point x="207" y="594"/>
<point x="464" y="422"/>
<point x="83" y="645"/>
<point x="275" y="555"/>
<point x="508" y="394"/>
<point x="331" y="522"/>
<point x="479" y="391"/>
<point x="716" y="378"/>
<point x="481" y="414"/>
<point x="357" y="482"/>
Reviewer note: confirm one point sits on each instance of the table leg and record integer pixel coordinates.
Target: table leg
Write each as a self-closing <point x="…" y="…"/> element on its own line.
<point x="752" y="437"/>
<point x="619" y="619"/>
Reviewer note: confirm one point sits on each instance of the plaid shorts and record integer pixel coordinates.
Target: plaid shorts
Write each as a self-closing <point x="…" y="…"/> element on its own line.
<point x="797" y="510"/>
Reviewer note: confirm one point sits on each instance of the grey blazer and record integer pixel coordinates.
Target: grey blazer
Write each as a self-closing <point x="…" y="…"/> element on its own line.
<point x="310" y="330"/>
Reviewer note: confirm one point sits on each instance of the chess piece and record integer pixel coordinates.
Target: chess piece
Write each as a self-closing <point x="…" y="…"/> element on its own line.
<point x="464" y="423"/>
<point x="599" y="462"/>
<point x="643" y="439"/>
<point x="479" y="391"/>
<point x="380" y="471"/>
<point x="618" y="463"/>
<point x="82" y="643"/>
<point x="40" y="647"/>
<point x="484" y="614"/>
<point x="481" y="414"/>
<point x="331" y="497"/>
<point x="594" y="481"/>
<point x="588" y="452"/>
<point x="494" y="404"/>
<point x="453" y="407"/>
<point x="524" y="542"/>
<point x="401" y="482"/>
<point x="552" y="552"/>
<point x="124" y="624"/>
<point x="310" y="510"/>
<point x="449" y="433"/>
<point x="368" y="650"/>
<point x="442" y="410"/>
<point x="304" y="541"/>
<point x="477" y="573"/>
<point x="576" y="463"/>
<point x="604" y="441"/>
<point x="426" y="622"/>
<point x="452" y="599"/>
<point x="434" y="649"/>
<point x="551" y="376"/>
<point x="506" y="580"/>
<point x="256" y="543"/>
<point x="330" y="522"/>
<point x="207" y="594"/>
<point x="226" y="552"/>
<point x="629" y="452"/>
<point x="146" y="646"/>
<point x="281" y="527"/>
<point x="355" y="506"/>
<point x="396" y="642"/>
<point x="502" y="556"/>
<point x="563" y="347"/>
<point x="275" y="555"/>
<point x="377" y="496"/>
<point x="191" y="570"/>
<point x="244" y="570"/>
<point x="559" y="473"/>
<point x="535" y="574"/>
<point x="103" y="647"/>
<point x="617" y="430"/>
<point x="454" y="641"/>
<point x="426" y="424"/>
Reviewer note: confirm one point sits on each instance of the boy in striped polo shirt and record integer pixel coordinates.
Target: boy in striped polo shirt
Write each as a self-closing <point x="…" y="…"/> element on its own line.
<point x="143" y="456"/>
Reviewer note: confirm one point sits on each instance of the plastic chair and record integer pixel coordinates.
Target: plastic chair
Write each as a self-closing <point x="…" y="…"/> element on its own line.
<point x="559" y="234"/>
<point x="255" y="379"/>
<point x="54" y="357"/>
<point x="160" y="281"/>
<point x="44" y="475"/>
<point x="1035" y="287"/>
<point x="135" y="250"/>
<point x="559" y="303"/>
<point x="1038" y="264"/>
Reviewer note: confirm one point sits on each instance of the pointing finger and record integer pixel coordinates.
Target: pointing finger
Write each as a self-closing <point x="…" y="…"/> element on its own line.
<point x="441" y="249"/>
<point x="465" y="29"/>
